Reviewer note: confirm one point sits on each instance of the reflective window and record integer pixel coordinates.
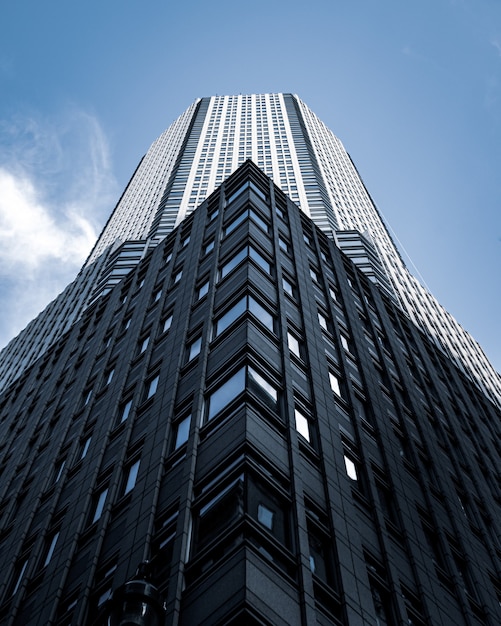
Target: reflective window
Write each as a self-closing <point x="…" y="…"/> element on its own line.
<point x="167" y="323"/>
<point x="204" y="289"/>
<point x="144" y="344"/>
<point x="152" y="387"/>
<point x="246" y="303"/>
<point x="125" y="411"/>
<point x="302" y="425"/>
<point x="293" y="344"/>
<point x="226" y="393"/>
<point x="195" y="347"/>
<point x="322" y="320"/>
<point x="334" y="383"/>
<point x="101" y="499"/>
<point x="131" y="477"/>
<point x="265" y="516"/>
<point x="182" y="430"/>
<point x="351" y="468"/>
<point x="51" y="548"/>
<point x="287" y="286"/>
<point x="85" y="447"/>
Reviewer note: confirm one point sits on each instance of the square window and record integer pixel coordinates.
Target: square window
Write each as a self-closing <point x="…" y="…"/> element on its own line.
<point x="265" y="516"/>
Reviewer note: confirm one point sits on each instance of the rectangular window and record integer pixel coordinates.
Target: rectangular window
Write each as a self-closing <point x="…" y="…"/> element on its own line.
<point x="334" y="383"/>
<point x="209" y="247"/>
<point x="247" y="303"/>
<point x="351" y="468"/>
<point x="293" y="344"/>
<point x="151" y="387"/>
<point x="85" y="447"/>
<point x="287" y="287"/>
<point x="302" y="425"/>
<point x="51" y="548"/>
<point x="194" y="349"/>
<point x="229" y="390"/>
<point x="101" y="499"/>
<point x="322" y="320"/>
<point x="125" y="411"/>
<point x="203" y="290"/>
<point x="182" y="431"/>
<point x="167" y="324"/>
<point x="132" y="473"/>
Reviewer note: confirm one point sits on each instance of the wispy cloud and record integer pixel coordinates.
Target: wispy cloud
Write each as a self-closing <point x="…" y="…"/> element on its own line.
<point x="56" y="188"/>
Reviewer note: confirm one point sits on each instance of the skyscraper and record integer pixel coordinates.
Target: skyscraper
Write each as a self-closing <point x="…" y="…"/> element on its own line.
<point x="235" y="390"/>
<point x="303" y="157"/>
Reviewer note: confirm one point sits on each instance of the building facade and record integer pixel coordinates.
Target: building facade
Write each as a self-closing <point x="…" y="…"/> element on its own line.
<point x="208" y="142"/>
<point x="252" y="414"/>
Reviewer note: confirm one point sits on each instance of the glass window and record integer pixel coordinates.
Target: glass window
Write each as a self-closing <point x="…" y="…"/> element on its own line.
<point x="195" y="347"/>
<point x="144" y="344"/>
<point x="233" y="262"/>
<point x="263" y="384"/>
<point x="186" y="241"/>
<point x="322" y="320"/>
<point x="125" y="411"/>
<point x="152" y="387"/>
<point x="131" y="477"/>
<point x="351" y="468"/>
<point x="238" y="220"/>
<point x="167" y="323"/>
<point x="287" y="287"/>
<point x="293" y="344"/>
<point x="209" y="247"/>
<point x="265" y="516"/>
<point x="178" y="276"/>
<point x="263" y="264"/>
<point x="110" y="377"/>
<point x="261" y="313"/>
<point x="334" y="383"/>
<point x="59" y="470"/>
<point x="314" y="275"/>
<point x="182" y="430"/>
<point x="51" y="548"/>
<point x="231" y="315"/>
<point x="302" y="425"/>
<point x="226" y="393"/>
<point x="101" y="499"/>
<point x="157" y="295"/>
<point x="283" y="245"/>
<point x="203" y="290"/>
<point x="85" y="447"/>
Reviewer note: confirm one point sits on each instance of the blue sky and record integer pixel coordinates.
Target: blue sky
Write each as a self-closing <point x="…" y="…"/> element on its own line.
<point x="411" y="87"/>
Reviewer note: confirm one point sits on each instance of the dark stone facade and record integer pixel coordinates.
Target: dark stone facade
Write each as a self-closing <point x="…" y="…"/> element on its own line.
<point x="250" y="413"/>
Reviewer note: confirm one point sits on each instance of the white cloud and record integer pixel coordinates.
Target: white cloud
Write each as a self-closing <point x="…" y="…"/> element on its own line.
<point x="56" y="190"/>
<point x="29" y="233"/>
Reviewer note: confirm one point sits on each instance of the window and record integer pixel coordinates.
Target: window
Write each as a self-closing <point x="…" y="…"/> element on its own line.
<point x="185" y="241"/>
<point x="240" y="256"/>
<point x="109" y="377"/>
<point x="177" y="276"/>
<point x="283" y="245"/>
<point x="203" y="290"/>
<point x="181" y="432"/>
<point x="345" y="343"/>
<point x="151" y="387"/>
<point x="87" y="397"/>
<point x="130" y="481"/>
<point x="287" y="287"/>
<point x="125" y="411"/>
<point x="248" y="213"/>
<point x="194" y="348"/>
<point x="99" y="506"/>
<point x="313" y="275"/>
<point x="226" y="393"/>
<point x="209" y="246"/>
<point x="293" y="344"/>
<point x="144" y="344"/>
<point x="247" y="303"/>
<point x="302" y="424"/>
<point x="265" y="516"/>
<point x="322" y="320"/>
<point x="167" y="324"/>
<point x="246" y="377"/>
<point x="157" y="295"/>
<point x="334" y="383"/>
<point x="351" y="468"/>
<point x="85" y="447"/>
<point x="51" y="547"/>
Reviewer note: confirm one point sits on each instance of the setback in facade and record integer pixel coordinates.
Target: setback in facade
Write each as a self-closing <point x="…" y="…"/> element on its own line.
<point x="252" y="414"/>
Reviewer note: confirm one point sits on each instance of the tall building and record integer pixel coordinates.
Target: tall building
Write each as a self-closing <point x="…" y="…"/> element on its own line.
<point x="234" y="391"/>
<point x="303" y="157"/>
